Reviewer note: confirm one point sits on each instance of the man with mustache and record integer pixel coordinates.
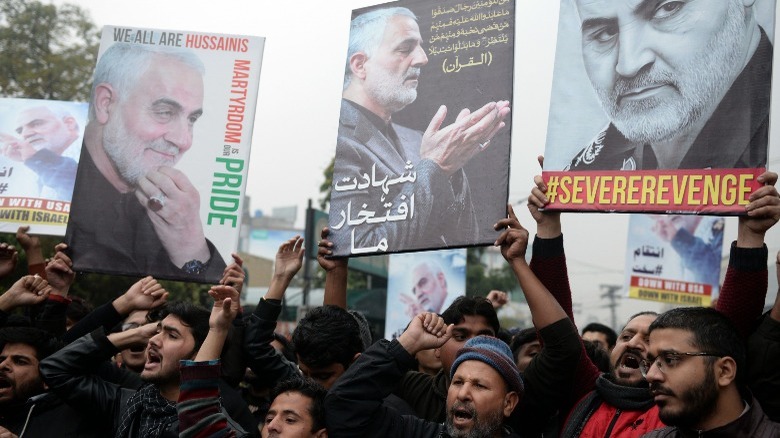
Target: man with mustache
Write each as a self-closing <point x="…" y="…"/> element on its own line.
<point x="685" y="84"/>
<point x="133" y="212"/>
<point x="46" y="133"/>
<point x="618" y="403"/>
<point x="149" y="411"/>
<point x="383" y="69"/>
<point x="696" y="370"/>
<point x="486" y="386"/>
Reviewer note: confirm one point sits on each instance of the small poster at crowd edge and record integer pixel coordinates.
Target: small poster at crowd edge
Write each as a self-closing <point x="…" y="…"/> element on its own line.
<point x="41" y="144"/>
<point x="674" y="259"/>
<point x="422" y="282"/>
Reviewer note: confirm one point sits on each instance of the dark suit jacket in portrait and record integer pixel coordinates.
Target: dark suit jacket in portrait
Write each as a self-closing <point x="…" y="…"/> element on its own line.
<point x="438" y="209"/>
<point x="110" y="232"/>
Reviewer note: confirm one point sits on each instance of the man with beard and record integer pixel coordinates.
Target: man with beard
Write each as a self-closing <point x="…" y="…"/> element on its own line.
<point x="696" y="369"/>
<point x="486" y="387"/>
<point x="430" y="191"/>
<point x="133" y="212"/>
<point x="151" y="410"/>
<point x="26" y="407"/>
<point x="686" y="85"/>
<point x="46" y="133"/>
<point x="618" y="403"/>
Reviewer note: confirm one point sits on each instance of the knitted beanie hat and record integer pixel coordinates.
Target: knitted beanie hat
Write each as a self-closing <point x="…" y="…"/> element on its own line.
<point x="495" y="353"/>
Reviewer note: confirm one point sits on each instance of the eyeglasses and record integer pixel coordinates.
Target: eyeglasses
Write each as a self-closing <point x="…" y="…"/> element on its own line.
<point x="668" y="360"/>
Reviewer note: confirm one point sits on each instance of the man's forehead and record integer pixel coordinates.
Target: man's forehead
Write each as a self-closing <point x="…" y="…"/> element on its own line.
<point x="399" y="29"/>
<point x="589" y="9"/>
<point x="292" y="401"/>
<point x="640" y="323"/>
<point x="170" y="78"/>
<point x="476" y="324"/>
<point x="19" y="349"/>
<point x="670" y="339"/>
<point x="30" y="114"/>
<point x="175" y="323"/>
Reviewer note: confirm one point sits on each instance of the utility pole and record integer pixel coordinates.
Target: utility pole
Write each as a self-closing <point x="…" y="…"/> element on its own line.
<point x="610" y="292"/>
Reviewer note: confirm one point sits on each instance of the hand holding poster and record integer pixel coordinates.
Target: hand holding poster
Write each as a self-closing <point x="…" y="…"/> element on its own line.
<point x="423" y="145"/>
<point x="41" y="143"/>
<point x="163" y="168"/>
<point x="662" y="108"/>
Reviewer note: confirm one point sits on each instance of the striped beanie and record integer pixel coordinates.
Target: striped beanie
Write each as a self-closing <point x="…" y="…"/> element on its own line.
<point x="495" y="353"/>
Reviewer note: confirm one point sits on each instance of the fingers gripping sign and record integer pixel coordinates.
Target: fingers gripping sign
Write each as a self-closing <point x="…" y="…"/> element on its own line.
<point x="175" y="213"/>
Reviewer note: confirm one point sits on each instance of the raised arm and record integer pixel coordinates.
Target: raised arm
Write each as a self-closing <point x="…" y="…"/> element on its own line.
<point x="354" y="404"/>
<point x="144" y="294"/>
<point x="548" y="261"/>
<point x="199" y="406"/>
<point x="335" y="272"/>
<point x="268" y="364"/>
<point x="745" y="286"/>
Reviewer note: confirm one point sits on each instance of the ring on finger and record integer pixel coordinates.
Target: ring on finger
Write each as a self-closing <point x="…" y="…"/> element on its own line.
<point x="156" y="202"/>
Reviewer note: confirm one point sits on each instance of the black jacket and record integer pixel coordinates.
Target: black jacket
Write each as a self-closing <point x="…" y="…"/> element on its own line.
<point x="354" y="403"/>
<point x="45" y="415"/>
<point x="752" y="424"/>
<point x="70" y="373"/>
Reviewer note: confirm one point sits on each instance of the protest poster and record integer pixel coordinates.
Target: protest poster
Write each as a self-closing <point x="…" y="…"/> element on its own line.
<point x="422" y="282"/>
<point x="674" y="259"/>
<point x="160" y="186"/>
<point x="41" y="143"/>
<point x="663" y="108"/>
<point x="422" y="155"/>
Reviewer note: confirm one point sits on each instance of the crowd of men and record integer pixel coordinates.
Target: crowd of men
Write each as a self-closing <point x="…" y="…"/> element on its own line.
<point x="142" y="366"/>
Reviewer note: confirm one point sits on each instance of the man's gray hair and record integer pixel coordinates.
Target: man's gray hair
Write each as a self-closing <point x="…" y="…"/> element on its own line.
<point x="366" y="32"/>
<point x="57" y="109"/>
<point x="123" y="63"/>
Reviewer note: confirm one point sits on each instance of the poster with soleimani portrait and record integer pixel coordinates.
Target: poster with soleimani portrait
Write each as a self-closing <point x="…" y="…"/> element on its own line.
<point x="422" y="282"/>
<point x="422" y="156"/>
<point x="160" y="184"/>
<point x="659" y="106"/>
<point x="41" y="144"/>
<point x="674" y="258"/>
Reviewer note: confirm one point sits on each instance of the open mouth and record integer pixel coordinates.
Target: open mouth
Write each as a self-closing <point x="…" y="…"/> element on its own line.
<point x="4" y="382"/>
<point x="630" y="361"/>
<point x="462" y="415"/>
<point x="152" y="358"/>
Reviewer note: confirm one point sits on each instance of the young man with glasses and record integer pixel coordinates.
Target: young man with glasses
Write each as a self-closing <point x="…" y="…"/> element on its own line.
<point x="618" y="404"/>
<point x="695" y="367"/>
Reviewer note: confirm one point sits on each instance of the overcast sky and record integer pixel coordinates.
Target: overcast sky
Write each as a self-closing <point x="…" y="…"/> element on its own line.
<point x="297" y="114"/>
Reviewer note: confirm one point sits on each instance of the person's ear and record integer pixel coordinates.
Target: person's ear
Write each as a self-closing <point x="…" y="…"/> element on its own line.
<point x="71" y="123"/>
<point x="354" y="358"/>
<point x="357" y="63"/>
<point x="322" y="433"/>
<point x="442" y="279"/>
<point x="511" y="399"/>
<point x="725" y="371"/>
<point x="104" y="98"/>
